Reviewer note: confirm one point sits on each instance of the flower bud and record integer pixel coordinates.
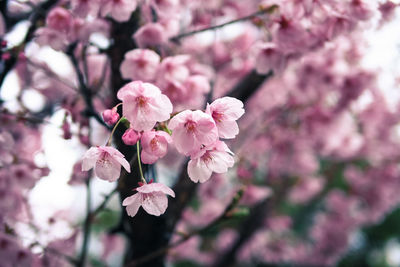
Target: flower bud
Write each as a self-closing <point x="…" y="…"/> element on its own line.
<point x="110" y="116"/>
<point x="130" y="137"/>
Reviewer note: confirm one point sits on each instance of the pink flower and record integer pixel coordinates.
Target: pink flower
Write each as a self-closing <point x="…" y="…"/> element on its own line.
<point x="84" y="7"/>
<point x="120" y="10"/>
<point x="110" y="116"/>
<point x="197" y="84"/>
<point x="225" y="111"/>
<point x="191" y="130"/>
<point x="152" y="197"/>
<point x="130" y="137"/>
<point x="165" y="6"/>
<point x="144" y="105"/>
<point x="59" y="19"/>
<point x="155" y="145"/>
<point x="268" y="58"/>
<point x="150" y="34"/>
<point x="174" y="69"/>
<point x="216" y="158"/>
<point x="140" y="64"/>
<point x="106" y="161"/>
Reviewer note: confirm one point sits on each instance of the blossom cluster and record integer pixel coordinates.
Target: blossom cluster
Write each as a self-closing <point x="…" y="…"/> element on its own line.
<point x="194" y="133"/>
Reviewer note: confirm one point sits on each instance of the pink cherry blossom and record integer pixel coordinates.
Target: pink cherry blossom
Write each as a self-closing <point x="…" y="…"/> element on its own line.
<point x="130" y="137"/>
<point x="140" y="64"/>
<point x="165" y="6"/>
<point x="106" y="161"/>
<point x="191" y="130"/>
<point x="174" y="68"/>
<point x="268" y="58"/>
<point x="59" y="19"/>
<point x="110" y="116"/>
<point x="196" y="85"/>
<point x="155" y="145"/>
<point x="152" y="197"/>
<point x="84" y="7"/>
<point x="225" y="111"/>
<point x="120" y="10"/>
<point x="150" y="34"/>
<point x="216" y="158"/>
<point x="144" y="105"/>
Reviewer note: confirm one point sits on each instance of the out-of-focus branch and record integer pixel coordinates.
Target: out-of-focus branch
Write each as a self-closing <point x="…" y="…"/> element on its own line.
<point x="104" y="203"/>
<point x="50" y="73"/>
<point x="38" y="13"/>
<point x="255" y="220"/>
<point x="86" y="228"/>
<point x="177" y="38"/>
<point x="185" y="188"/>
<point x="225" y="215"/>
<point x="84" y="90"/>
<point x="249" y="85"/>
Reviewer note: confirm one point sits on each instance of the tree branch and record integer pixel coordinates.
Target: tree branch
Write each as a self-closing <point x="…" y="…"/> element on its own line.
<point x="249" y="85"/>
<point x="177" y="38"/>
<point x="84" y="90"/>
<point x="225" y="215"/>
<point x="39" y="13"/>
<point x="247" y="229"/>
<point x="86" y="228"/>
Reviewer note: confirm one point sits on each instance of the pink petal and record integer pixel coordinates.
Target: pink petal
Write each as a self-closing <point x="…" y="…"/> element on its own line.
<point x="179" y="119"/>
<point x="148" y="158"/>
<point x="227" y="129"/>
<point x="185" y="143"/>
<point x="165" y="136"/>
<point x="220" y="161"/>
<point x="198" y="171"/>
<point x="231" y="107"/>
<point x="150" y="90"/>
<point x="155" y="203"/>
<point x="207" y="132"/>
<point x="118" y="156"/>
<point x="140" y="120"/>
<point x="90" y="158"/>
<point x="161" y="108"/>
<point x="156" y="187"/>
<point x="107" y="169"/>
<point x="133" y="204"/>
<point x="127" y="90"/>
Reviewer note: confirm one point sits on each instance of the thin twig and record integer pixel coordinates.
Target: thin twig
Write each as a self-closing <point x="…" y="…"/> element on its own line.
<point x="37" y="14"/>
<point x="176" y="38"/>
<point x="104" y="203"/>
<point x="86" y="227"/>
<point x="51" y="73"/>
<point x="84" y="90"/>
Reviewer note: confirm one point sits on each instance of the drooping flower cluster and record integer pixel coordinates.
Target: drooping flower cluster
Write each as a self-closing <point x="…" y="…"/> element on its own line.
<point x="194" y="133"/>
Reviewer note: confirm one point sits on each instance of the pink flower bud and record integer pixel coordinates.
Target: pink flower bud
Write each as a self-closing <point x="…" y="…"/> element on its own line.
<point x="130" y="137"/>
<point x="66" y="130"/>
<point x="110" y="116"/>
<point x="6" y="56"/>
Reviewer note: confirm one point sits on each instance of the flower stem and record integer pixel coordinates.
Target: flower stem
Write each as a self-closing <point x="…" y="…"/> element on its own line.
<point x="139" y="163"/>
<point x="113" y="130"/>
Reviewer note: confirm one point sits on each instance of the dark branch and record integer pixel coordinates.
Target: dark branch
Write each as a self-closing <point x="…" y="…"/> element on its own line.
<point x="225" y="215"/>
<point x="83" y="89"/>
<point x="177" y="38"/>
<point x="86" y="228"/>
<point x="247" y="229"/>
<point x="249" y="85"/>
<point x="39" y="13"/>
